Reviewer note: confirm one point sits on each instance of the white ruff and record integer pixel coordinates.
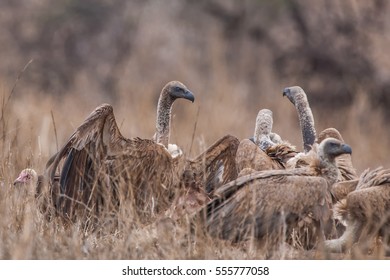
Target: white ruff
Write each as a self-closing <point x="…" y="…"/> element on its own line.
<point x="174" y="150"/>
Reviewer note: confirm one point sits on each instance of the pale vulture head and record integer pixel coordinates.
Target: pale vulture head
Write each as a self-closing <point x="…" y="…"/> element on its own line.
<point x="27" y="177"/>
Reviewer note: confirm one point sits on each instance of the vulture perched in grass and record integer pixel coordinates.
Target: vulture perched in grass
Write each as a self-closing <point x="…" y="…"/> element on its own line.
<point x="282" y="154"/>
<point x="267" y="206"/>
<point x="101" y="168"/>
<point x="29" y="179"/>
<point x="97" y="160"/>
<point x="365" y="212"/>
<point x="37" y="185"/>
<point x="298" y="98"/>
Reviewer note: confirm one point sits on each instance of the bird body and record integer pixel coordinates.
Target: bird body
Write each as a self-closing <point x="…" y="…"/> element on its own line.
<point x="100" y="165"/>
<point x="263" y="204"/>
<point x="364" y="211"/>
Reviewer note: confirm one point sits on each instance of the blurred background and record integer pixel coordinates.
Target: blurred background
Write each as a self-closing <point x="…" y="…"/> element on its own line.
<point x="60" y="59"/>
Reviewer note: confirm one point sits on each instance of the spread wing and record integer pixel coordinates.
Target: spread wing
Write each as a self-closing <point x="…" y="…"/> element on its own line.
<point x="93" y="162"/>
<point x="215" y="166"/>
<point x="249" y="155"/>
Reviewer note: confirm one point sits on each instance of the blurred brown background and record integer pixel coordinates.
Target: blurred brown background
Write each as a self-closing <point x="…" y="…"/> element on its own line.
<point x="236" y="56"/>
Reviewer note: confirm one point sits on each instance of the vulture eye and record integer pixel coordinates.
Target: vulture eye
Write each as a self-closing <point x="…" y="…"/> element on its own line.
<point x="334" y="145"/>
<point x="178" y="89"/>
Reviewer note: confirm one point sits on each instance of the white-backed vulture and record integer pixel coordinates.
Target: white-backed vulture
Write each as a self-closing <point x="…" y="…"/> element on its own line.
<point x="101" y="167"/>
<point x="298" y="98"/>
<point x="268" y="205"/>
<point x="365" y="212"/>
<point x="283" y="154"/>
<point x="29" y="179"/>
<point x="266" y="150"/>
<point x="344" y="162"/>
<point x="37" y="185"/>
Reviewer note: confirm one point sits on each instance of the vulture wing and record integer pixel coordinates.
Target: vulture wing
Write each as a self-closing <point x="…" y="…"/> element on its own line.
<point x="249" y="155"/>
<point x="264" y="203"/>
<point x="97" y="156"/>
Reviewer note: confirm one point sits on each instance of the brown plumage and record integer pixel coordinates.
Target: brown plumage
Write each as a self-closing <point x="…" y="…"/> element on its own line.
<point x="203" y="175"/>
<point x="267" y="150"/>
<point x="365" y="211"/>
<point x="268" y="205"/>
<point x="101" y="167"/>
<point x="298" y="98"/>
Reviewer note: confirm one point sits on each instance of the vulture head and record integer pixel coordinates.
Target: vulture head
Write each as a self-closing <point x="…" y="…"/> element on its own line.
<point x="294" y="93"/>
<point x="330" y="148"/>
<point x="27" y="177"/>
<point x="177" y="90"/>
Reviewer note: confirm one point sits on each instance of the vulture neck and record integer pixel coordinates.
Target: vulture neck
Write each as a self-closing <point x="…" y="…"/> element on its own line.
<point x="328" y="168"/>
<point x="262" y="131"/>
<point x="163" y="122"/>
<point x="306" y="121"/>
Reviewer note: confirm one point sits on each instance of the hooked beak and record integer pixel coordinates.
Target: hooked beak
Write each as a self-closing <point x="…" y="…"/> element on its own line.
<point x="286" y="92"/>
<point x="346" y="149"/>
<point x="189" y="96"/>
<point x="18" y="180"/>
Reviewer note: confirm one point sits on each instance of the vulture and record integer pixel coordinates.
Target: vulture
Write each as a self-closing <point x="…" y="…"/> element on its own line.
<point x="101" y="168"/>
<point x="269" y="205"/>
<point x="365" y="211"/>
<point x="282" y="154"/>
<point x="37" y="185"/>
<point x="344" y="162"/>
<point x="298" y="98"/>
<point x="29" y="179"/>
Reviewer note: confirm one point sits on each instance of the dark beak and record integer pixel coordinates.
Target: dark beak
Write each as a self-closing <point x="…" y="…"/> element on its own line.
<point x="189" y="96"/>
<point x="346" y="149"/>
<point x="286" y="92"/>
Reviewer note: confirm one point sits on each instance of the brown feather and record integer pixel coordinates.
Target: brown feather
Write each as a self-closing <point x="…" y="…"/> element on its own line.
<point x="261" y="204"/>
<point x="365" y="211"/>
<point x="97" y="157"/>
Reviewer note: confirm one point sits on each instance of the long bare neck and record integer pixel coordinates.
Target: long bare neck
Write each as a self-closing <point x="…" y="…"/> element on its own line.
<point x="163" y="122"/>
<point x="329" y="168"/>
<point x="306" y="121"/>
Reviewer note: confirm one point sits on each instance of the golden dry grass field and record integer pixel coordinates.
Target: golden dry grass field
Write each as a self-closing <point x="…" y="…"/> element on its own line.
<point x="232" y="73"/>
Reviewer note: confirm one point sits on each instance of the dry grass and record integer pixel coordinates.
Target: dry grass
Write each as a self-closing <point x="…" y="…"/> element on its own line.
<point x="29" y="139"/>
<point x="231" y="73"/>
